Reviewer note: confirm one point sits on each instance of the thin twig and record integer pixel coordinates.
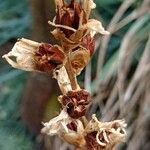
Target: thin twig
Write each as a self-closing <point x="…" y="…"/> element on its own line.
<point x="139" y="71"/>
<point x="87" y="80"/>
<point x="145" y="8"/>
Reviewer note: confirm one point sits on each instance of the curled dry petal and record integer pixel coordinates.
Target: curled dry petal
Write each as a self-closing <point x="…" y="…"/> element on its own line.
<point x="76" y="102"/>
<point x="79" y="59"/>
<point x="57" y="125"/>
<point x="33" y="56"/>
<point x="67" y="128"/>
<point x="94" y="26"/>
<point x="104" y="135"/>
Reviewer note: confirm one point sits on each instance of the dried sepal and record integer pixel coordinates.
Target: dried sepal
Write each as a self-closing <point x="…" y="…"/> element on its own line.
<point x="68" y="129"/>
<point x="104" y="135"/>
<point x="79" y="59"/>
<point x="33" y="56"/>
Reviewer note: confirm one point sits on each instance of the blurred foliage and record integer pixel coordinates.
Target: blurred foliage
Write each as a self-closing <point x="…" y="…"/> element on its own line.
<point x="14" y="19"/>
<point x="14" y="23"/>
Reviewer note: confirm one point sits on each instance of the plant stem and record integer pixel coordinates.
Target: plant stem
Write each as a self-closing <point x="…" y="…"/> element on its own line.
<point x="71" y="75"/>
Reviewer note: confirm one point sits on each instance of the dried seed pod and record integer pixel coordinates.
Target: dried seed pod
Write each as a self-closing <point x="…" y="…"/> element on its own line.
<point x="34" y="56"/>
<point x="76" y="103"/>
<point x="105" y="135"/>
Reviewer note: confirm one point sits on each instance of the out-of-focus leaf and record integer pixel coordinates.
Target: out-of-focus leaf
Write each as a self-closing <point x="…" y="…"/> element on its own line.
<point x="10" y="75"/>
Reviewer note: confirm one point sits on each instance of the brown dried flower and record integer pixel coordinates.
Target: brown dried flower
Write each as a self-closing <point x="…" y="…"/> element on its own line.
<point x="76" y="103"/>
<point x="99" y="135"/>
<point x="34" y="56"/>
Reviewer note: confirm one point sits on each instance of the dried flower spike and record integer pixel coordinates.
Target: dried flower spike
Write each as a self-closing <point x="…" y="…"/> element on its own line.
<point x="76" y="32"/>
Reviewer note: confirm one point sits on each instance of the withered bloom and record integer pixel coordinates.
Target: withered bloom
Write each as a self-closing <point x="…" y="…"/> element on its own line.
<point x="48" y="57"/>
<point x="33" y="56"/>
<point x="67" y="128"/>
<point x="73" y="24"/>
<point x="76" y="31"/>
<point x="76" y="103"/>
<point x="99" y="135"/>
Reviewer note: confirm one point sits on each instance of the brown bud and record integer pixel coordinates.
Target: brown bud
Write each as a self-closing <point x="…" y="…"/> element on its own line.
<point x="76" y="102"/>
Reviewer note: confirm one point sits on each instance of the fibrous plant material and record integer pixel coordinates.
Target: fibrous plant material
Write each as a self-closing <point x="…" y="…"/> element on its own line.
<point x="76" y="33"/>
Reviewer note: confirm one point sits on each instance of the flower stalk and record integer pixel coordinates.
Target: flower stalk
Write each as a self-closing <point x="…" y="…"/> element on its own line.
<point x="76" y="33"/>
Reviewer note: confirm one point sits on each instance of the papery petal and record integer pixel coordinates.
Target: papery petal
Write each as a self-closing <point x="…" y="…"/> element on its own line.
<point x="94" y="26"/>
<point x="23" y="51"/>
<point x="56" y="125"/>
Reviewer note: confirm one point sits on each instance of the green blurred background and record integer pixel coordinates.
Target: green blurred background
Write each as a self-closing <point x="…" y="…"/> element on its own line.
<point x="27" y="99"/>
